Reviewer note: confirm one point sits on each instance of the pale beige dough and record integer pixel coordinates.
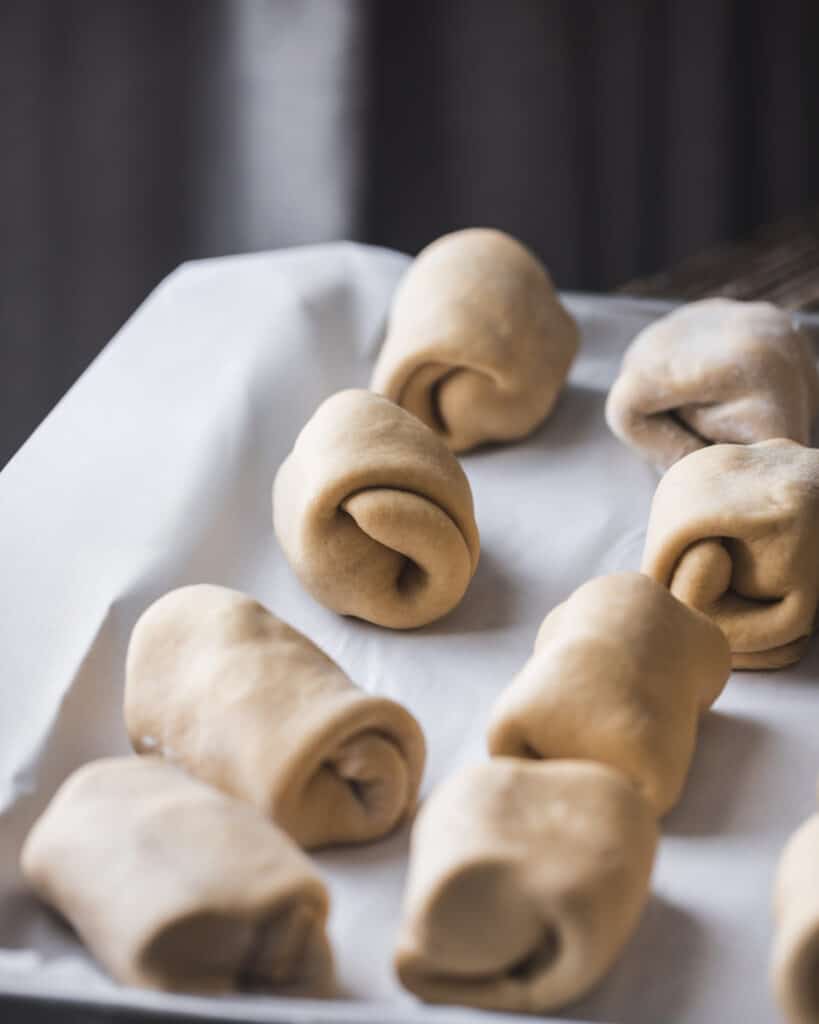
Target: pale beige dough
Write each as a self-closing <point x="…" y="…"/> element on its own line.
<point x="714" y="371"/>
<point x="375" y="514"/>
<point x="217" y="683"/>
<point x="525" y="881"/>
<point x="794" y="966"/>
<point x="734" y="532"/>
<point x="478" y="344"/>
<point x="620" y="674"/>
<point x="173" y="885"/>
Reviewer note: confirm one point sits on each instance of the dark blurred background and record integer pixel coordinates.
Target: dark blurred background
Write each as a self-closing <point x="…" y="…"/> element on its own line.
<point x="615" y="138"/>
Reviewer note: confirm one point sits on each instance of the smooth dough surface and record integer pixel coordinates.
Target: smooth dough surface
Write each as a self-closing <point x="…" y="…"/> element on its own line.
<point x="714" y="371"/>
<point x="375" y="514"/>
<point x="525" y="881"/>
<point x="794" y="966"/>
<point x="478" y="345"/>
<point x="734" y="532"/>
<point x="173" y="885"/>
<point x="216" y="682"/>
<point x="620" y="674"/>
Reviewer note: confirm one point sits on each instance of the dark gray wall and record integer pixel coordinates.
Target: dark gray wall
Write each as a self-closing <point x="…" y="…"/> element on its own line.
<point x="615" y="138"/>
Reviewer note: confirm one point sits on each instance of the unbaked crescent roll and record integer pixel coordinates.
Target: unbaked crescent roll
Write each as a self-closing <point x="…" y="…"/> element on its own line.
<point x="734" y="531"/>
<point x="620" y="674"/>
<point x="172" y="885"/>
<point x="478" y="344"/>
<point x="375" y="514"/>
<point x="794" y="966"/>
<point x="217" y="683"/>
<point x="714" y="371"/>
<point x="525" y="881"/>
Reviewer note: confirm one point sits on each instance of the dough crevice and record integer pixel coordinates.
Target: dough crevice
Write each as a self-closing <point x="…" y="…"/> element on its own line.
<point x="518" y="980"/>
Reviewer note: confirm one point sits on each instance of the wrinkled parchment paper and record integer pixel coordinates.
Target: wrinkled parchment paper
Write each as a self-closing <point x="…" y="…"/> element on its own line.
<point x="155" y="471"/>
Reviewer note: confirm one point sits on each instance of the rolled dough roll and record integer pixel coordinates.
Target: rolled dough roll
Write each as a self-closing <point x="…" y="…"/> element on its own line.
<point x="734" y="532"/>
<point x="172" y="885"/>
<point x="478" y="344"/>
<point x="620" y="674"/>
<point x="375" y="514"/>
<point x="217" y="683"/>
<point x="714" y="371"/>
<point x="525" y="881"/>
<point x="794" y="964"/>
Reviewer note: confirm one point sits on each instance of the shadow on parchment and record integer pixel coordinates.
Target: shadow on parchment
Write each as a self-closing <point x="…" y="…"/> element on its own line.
<point x="491" y="602"/>
<point x="721" y="794"/>
<point x="576" y="416"/>
<point x="636" y="990"/>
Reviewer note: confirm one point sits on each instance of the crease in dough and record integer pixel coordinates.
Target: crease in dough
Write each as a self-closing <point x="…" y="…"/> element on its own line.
<point x="375" y="514"/>
<point x="734" y="532"/>
<point x="620" y="674"/>
<point x="714" y="371"/>
<point x="794" y="963"/>
<point x="525" y="881"/>
<point x="478" y="344"/>
<point x="219" y="684"/>
<point x="174" y="886"/>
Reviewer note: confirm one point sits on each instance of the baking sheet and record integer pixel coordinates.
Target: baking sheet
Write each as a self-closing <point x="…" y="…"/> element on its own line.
<point x="155" y="471"/>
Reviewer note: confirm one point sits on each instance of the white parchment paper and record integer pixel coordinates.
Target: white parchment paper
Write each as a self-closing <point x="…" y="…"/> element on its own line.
<point x="156" y="470"/>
